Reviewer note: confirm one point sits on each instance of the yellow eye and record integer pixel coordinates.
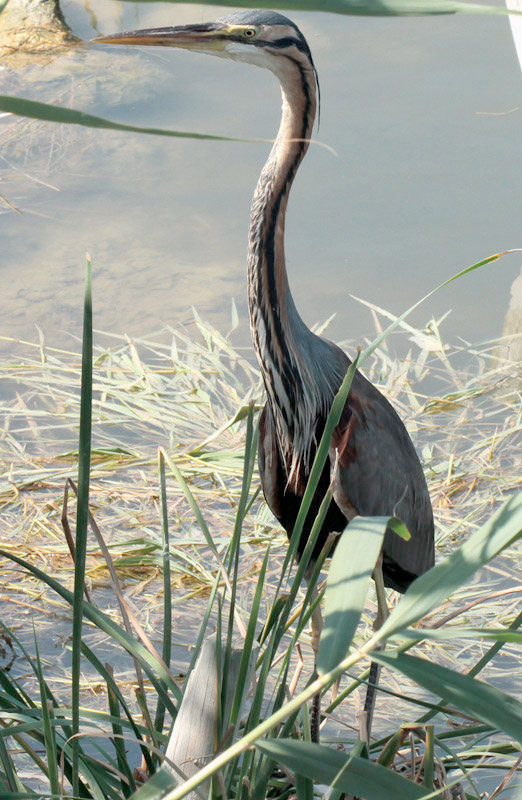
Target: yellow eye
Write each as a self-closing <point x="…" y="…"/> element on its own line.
<point x="249" y="33"/>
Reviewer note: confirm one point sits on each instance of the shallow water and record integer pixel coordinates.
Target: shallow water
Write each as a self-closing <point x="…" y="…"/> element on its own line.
<point x="423" y="115"/>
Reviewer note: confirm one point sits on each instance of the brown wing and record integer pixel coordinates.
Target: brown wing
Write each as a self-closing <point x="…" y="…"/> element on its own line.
<point x="379" y="473"/>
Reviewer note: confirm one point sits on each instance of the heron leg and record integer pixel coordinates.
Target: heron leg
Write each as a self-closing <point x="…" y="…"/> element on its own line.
<point x="375" y="669"/>
<point x="317" y="627"/>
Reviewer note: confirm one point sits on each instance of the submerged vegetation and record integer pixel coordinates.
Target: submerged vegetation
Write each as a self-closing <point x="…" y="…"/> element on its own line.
<point x="180" y="535"/>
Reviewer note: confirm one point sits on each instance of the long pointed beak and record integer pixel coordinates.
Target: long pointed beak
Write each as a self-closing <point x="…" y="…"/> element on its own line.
<point x="205" y="36"/>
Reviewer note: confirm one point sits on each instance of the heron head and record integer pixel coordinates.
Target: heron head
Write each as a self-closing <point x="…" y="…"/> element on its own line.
<point x="263" y="38"/>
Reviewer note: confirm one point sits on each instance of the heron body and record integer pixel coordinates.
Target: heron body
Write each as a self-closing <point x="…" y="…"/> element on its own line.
<point x="379" y="472"/>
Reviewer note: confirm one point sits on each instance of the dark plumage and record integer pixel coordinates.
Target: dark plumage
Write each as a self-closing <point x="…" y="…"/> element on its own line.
<point x="379" y="474"/>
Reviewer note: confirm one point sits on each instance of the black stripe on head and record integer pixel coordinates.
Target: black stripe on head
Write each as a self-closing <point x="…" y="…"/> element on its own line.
<point x="276" y="44"/>
<point x="269" y="19"/>
<point x="285" y="41"/>
<point x="302" y="45"/>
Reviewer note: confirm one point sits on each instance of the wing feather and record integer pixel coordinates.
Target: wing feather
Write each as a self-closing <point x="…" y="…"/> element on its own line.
<point x="379" y="473"/>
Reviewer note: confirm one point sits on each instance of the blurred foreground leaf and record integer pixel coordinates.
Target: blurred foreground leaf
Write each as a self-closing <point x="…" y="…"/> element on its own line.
<point x="474" y="697"/>
<point x="432" y="588"/>
<point x="347" y="773"/>
<point x="379" y="8"/>
<point x="347" y="586"/>
<point x="33" y="109"/>
<point x="158" y="785"/>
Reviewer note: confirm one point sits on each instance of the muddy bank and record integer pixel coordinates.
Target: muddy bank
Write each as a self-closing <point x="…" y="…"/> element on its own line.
<point x="32" y="29"/>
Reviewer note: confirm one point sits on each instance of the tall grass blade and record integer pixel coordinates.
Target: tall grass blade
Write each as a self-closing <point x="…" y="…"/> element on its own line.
<point x="203" y="626"/>
<point x="48" y="731"/>
<point x="254" y="717"/>
<point x="251" y="439"/>
<point x="151" y="665"/>
<point x="105" y="671"/>
<point x="82" y="516"/>
<point x="167" y="598"/>
<point x="429" y="758"/>
<point x="127" y="779"/>
<point x="321" y="455"/>
<point x="198" y="515"/>
<point x="317" y="468"/>
<point x="307" y="608"/>
<point x="13" y="783"/>
<point x="126" y="612"/>
<point x="145" y="713"/>
<point x="242" y="686"/>
<point x="304" y="788"/>
<point x="234" y="548"/>
<point x="266" y="767"/>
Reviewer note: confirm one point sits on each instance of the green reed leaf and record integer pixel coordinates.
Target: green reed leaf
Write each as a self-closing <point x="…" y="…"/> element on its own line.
<point x="348" y="773"/>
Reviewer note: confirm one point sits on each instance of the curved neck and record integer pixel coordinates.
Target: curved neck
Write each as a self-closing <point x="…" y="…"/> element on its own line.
<point x="300" y="370"/>
<point x="277" y="328"/>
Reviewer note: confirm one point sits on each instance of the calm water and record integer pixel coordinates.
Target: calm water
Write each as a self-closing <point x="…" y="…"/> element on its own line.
<point x="424" y="116"/>
<point x="425" y="119"/>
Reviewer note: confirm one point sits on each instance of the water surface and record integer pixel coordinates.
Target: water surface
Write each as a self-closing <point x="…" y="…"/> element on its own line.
<point x="425" y="120"/>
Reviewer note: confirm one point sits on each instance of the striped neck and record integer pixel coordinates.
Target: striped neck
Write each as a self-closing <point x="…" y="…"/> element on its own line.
<point x="284" y="345"/>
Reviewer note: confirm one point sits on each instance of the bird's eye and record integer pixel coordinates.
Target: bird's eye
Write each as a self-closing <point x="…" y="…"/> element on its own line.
<point x="249" y="33"/>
